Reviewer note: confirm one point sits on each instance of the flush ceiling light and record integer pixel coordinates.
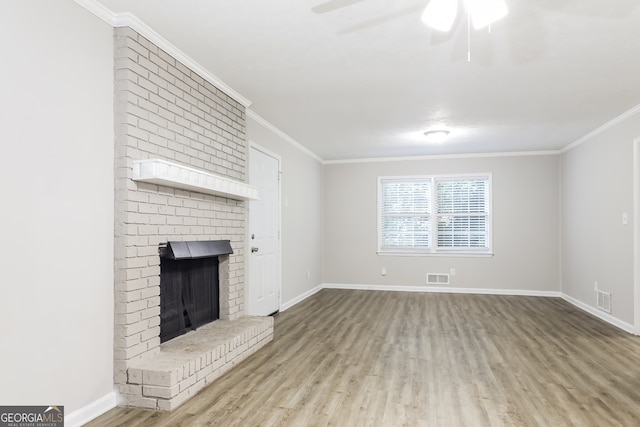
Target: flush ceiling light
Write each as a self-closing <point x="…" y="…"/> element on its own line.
<point x="440" y="14"/>
<point x="436" y="136"/>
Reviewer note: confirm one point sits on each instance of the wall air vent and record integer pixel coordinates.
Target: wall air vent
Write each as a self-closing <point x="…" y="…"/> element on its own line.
<point x="603" y="301"/>
<point x="437" y="279"/>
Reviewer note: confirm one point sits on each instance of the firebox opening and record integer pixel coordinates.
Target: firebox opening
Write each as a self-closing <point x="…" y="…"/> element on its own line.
<point x="189" y="286"/>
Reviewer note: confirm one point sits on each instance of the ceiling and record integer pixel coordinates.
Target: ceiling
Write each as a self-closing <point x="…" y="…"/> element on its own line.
<point x="368" y="79"/>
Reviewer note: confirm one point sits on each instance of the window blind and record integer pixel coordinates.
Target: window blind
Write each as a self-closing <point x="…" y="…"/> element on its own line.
<point x="462" y="213"/>
<point x="434" y="214"/>
<point x="405" y="214"/>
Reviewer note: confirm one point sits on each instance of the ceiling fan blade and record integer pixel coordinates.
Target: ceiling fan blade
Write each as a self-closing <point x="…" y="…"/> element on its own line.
<point x="440" y="14"/>
<point x="333" y="5"/>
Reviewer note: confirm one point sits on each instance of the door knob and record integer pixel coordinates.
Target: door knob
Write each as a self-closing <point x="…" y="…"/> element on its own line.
<point x="254" y="249"/>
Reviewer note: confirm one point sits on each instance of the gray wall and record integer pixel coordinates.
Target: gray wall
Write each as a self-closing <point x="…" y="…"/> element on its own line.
<point x="56" y="303"/>
<point x="525" y="225"/>
<point x="56" y="312"/>
<point x="302" y="212"/>
<point x="597" y="187"/>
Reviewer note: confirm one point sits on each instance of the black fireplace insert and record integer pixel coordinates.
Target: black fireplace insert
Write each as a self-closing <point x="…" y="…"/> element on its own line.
<point x="189" y="285"/>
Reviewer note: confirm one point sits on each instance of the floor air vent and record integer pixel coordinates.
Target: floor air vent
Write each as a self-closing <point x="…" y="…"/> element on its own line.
<point x="437" y="279"/>
<point x="603" y="301"/>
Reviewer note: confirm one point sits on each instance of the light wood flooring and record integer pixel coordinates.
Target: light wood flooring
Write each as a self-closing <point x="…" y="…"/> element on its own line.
<point x="371" y="358"/>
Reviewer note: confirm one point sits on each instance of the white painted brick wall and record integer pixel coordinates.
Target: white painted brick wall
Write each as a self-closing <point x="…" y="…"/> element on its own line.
<point x="165" y="110"/>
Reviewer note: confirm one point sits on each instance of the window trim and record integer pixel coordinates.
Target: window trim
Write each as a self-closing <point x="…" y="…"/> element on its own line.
<point x="434" y="250"/>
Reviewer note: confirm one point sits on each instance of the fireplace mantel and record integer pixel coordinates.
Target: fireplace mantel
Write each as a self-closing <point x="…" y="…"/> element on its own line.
<point x="163" y="172"/>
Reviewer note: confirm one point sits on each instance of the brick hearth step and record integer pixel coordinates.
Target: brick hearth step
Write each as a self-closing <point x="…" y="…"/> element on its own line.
<point x="188" y="363"/>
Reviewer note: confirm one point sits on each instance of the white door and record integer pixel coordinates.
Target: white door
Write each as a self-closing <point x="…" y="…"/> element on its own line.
<point x="263" y="290"/>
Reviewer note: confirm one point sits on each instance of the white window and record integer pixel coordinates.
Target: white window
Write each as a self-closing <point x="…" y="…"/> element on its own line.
<point x="434" y="214"/>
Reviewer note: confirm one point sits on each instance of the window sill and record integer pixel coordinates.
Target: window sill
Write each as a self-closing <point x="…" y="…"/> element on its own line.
<point x="439" y="254"/>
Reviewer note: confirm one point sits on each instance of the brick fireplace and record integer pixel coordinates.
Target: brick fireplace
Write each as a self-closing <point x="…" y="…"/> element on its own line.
<point x="165" y="111"/>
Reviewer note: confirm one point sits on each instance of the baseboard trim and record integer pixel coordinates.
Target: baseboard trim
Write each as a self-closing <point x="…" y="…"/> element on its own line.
<point x="599" y="314"/>
<point x="92" y="410"/>
<point x="517" y="292"/>
<point x="300" y="298"/>
<point x="109" y="401"/>
<point x="441" y="289"/>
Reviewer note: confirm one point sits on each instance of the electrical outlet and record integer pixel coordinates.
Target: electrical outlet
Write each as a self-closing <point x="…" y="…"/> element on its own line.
<point x="383" y="271"/>
<point x="625" y="218"/>
<point x="452" y="272"/>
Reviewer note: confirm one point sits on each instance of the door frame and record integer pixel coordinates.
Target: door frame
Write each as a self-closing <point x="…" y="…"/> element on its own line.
<point x="636" y="235"/>
<point x="247" y="249"/>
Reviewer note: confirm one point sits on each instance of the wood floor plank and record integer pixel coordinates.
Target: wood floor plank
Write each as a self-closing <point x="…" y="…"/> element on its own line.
<point x="367" y="358"/>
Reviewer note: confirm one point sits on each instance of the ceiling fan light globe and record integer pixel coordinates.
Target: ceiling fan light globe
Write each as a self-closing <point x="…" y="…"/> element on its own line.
<point x="486" y="12"/>
<point x="440" y="14"/>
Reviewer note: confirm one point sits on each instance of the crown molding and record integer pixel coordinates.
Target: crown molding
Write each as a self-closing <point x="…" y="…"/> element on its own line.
<point x="263" y="122"/>
<point x="444" y="156"/>
<point x="608" y="125"/>
<point x="128" y="19"/>
<point x="98" y="10"/>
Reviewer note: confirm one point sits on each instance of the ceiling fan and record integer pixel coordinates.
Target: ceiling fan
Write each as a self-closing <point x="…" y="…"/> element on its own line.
<point x="441" y="14"/>
<point x="332" y="5"/>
